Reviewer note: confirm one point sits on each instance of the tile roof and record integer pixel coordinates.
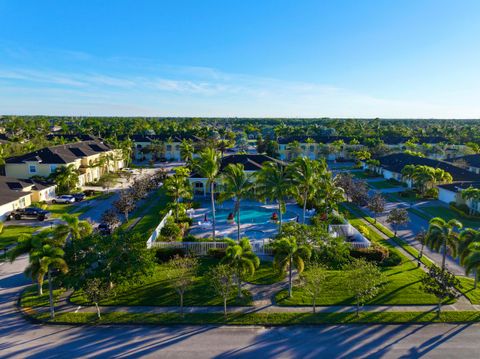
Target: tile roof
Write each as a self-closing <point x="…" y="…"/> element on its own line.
<point x="62" y="154"/>
<point x="471" y="160"/>
<point x="457" y="186"/>
<point x="395" y="163"/>
<point x="389" y="140"/>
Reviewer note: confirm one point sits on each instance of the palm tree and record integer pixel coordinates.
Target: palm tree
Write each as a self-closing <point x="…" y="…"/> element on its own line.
<point x="42" y="261"/>
<point x="472" y="260"/>
<point x="294" y="149"/>
<point x="186" y="150"/>
<point x="472" y="194"/>
<point x="208" y="166"/>
<point x="441" y="236"/>
<point x="73" y="228"/>
<point x="274" y="183"/>
<point x="407" y="172"/>
<point x="240" y="257"/>
<point x="178" y="186"/>
<point x="467" y="238"/>
<point x="66" y="178"/>
<point x="305" y="174"/>
<point x="329" y="194"/>
<point x="289" y="254"/>
<point x="237" y="185"/>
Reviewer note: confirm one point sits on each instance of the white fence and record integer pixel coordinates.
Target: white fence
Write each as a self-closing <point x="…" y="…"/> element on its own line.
<point x="151" y="240"/>
<point x="350" y="233"/>
<point x="202" y="248"/>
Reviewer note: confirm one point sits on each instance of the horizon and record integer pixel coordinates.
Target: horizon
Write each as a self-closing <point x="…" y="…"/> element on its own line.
<point x="274" y="59"/>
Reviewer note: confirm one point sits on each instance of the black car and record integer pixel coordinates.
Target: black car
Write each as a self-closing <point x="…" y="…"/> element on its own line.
<point x="105" y="229"/>
<point x="78" y="196"/>
<point x="30" y="212"/>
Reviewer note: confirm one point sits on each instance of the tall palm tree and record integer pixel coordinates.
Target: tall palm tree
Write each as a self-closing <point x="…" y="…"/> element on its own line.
<point x="42" y="261"/>
<point x="274" y="183"/>
<point x="208" y="166"/>
<point x="178" y="187"/>
<point x="407" y="172"/>
<point x="294" y="149"/>
<point x="472" y="194"/>
<point x="441" y="236"/>
<point x="467" y="238"/>
<point x="305" y="174"/>
<point x="472" y="260"/>
<point x="239" y="255"/>
<point x="73" y="229"/>
<point x="66" y="178"/>
<point x="186" y="150"/>
<point x="329" y="194"/>
<point x="237" y="185"/>
<point x="289" y="254"/>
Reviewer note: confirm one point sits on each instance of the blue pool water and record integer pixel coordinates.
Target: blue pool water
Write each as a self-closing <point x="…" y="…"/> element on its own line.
<point x="252" y="215"/>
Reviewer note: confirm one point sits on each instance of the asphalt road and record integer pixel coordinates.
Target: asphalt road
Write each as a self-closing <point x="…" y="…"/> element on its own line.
<point x="20" y="338"/>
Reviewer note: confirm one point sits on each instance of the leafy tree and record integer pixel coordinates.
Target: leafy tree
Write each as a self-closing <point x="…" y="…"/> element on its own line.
<point x="125" y="203"/>
<point x="398" y="217"/>
<point x="442" y="237"/>
<point x="359" y="193"/>
<point x="305" y="174"/>
<point x="110" y="217"/>
<point x="95" y="290"/>
<point x="208" y="166"/>
<point x="441" y="283"/>
<point x="422" y="238"/>
<point x="178" y="186"/>
<point x="471" y="194"/>
<point x="288" y="254"/>
<point x="66" y="178"/>
<point x="237" y="185"/>
<point x="314" y="282"/>
<point x="181" y="273"/>
<point x="221" y="279"/>
<point x="240" y="256"/>
<point x="274" y="183"/>
<point x="363" y="279"/>
<point x="376" y="204"/>
<point x="42" y="261"/>
<point x="345" y="181"/>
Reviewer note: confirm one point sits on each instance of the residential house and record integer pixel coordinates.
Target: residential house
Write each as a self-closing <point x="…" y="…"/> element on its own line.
<point x="251" y="163"/>
<point x="452" y="192"/>
<point x="471" y="162"/>
<point x="91" y="158"/>
<point x="16" y="193"/>
<point x="158" y="147"/>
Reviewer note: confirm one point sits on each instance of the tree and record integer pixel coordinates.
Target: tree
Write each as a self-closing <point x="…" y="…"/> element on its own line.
<point x="240" y="256"/>
<point x="442" y="237"/>
<point x="376" y="204"/>
<point x="208" y="166"/>
<point x="110" y="218"/>
<point x="289" y="254"/>
<point x="313" y="282"/>
<point x="66" y="178"/>
<point x="274" y="183"/>
<point x="237" y="185"/>
<point x="345" y="181"/>
<point x="306" y="174"/>
<point x="221" y="279"/>
<point x="294" y="150"/>
<point x="471" y="194"/>
<point x="186" y="150"/>
<point x="181" y="273"/>
<point x="359" y="193"/>
<point x="441" y="283"/>
<point x="125" y="203"/>
<point x="468" y="244"/>
<point x="95" y="290"/>
<point x="178" y="186"/>
<point x="422" y="238"/>
<point x="363" y="279"/>
<point x="42" y="261"/>
<point x="398" y="217"/>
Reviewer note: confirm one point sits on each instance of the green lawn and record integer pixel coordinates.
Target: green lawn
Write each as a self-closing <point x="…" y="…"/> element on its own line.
<point x="10" y="234"/>
<point x="266" y="275"/>
<point x="30" y="297"/>
<point x="468" y="290"/>
<point x="364" y="174"/>
<point x="448" y="214"/>
<point x="156" y="290"/>
<point x="149" y="212"/>
<point x="58" y="209"/>
<point x="262" y="318"/>
<point x="384" y="184"/>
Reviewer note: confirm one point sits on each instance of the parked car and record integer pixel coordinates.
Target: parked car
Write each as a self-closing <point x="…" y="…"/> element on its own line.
<point x="105" y="228"/>
<point x="78" y="196"/>
<point x="30" y="212"/>
<point x="65" y="198"/>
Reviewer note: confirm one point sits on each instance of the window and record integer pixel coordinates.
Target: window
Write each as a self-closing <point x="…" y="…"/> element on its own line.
<point x="53" y="168"/>
<point x="312" y="148"/>
<point x="169" y="147"/>
<point x="198" y="185"/>
<point x="177" y="148"/>
<point x="32" y="169"/>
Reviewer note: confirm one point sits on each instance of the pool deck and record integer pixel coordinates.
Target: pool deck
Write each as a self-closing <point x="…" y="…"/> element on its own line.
<point x="269" y="229"/>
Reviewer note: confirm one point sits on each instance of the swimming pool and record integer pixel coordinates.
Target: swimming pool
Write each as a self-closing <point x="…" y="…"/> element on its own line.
<point x="254" y="215"/>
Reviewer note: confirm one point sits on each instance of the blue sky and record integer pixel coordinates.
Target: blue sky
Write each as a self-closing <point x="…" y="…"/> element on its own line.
<point x="338" y="58"/>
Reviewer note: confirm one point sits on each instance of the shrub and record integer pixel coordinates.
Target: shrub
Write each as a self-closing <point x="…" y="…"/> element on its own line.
<point x="334" y="253"/>
<point x="394" y="259"/>
<point x="163" y="255"/>
<point x="185" y="219"/>
<point x="217" y="253"/>
<point x="171" y="232"/>
<point x="363" y="230"/>
<point x="374" y="253"/>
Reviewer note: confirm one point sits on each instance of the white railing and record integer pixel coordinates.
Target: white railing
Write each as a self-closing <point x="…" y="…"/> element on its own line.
<point x="350" y="233"/>
<point x="202" y="248"/>
<point x="151" y="240"/>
